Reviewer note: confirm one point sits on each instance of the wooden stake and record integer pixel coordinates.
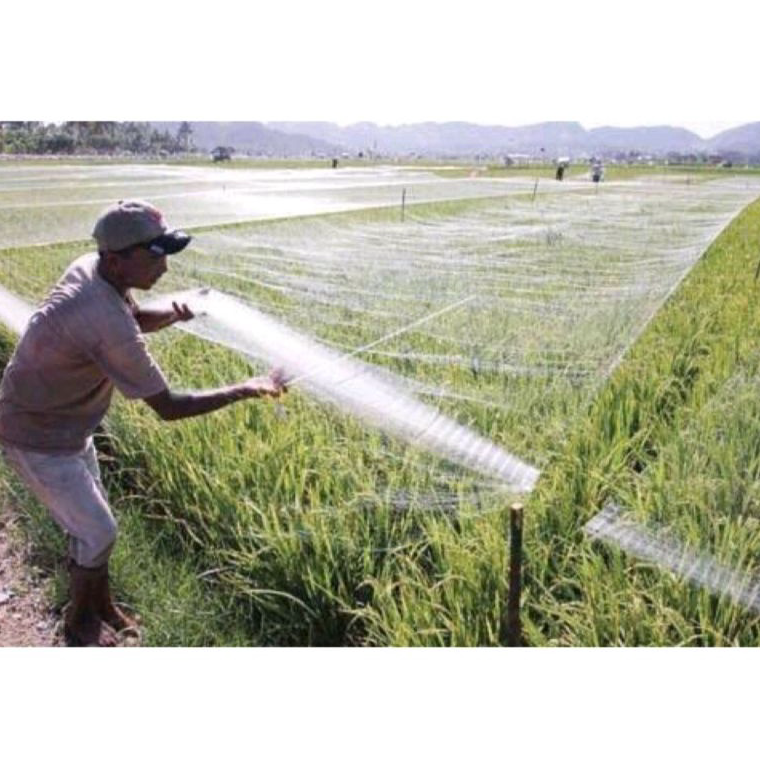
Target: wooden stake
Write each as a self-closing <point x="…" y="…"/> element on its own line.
<point x="514" y="628"/>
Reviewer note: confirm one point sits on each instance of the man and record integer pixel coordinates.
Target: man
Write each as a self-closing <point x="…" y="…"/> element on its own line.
<point x="85" y="339"/>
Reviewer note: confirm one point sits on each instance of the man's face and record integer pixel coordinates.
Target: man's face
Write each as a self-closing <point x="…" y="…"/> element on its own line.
<point x="142" y="269"/>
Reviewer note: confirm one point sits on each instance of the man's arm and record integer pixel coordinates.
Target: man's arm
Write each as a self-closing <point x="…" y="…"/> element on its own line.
<point x="151" y="320"/>
<point x="169" y="405"/>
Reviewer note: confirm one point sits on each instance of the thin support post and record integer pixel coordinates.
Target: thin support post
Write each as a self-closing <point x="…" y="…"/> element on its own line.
<point x="535" y="187"/>
<point x="403" y="202"/>
<point x="514" y="628"/>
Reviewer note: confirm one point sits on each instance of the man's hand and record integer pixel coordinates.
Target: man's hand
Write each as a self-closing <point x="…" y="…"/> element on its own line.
<point x="274" y="385"/>
<point x="182" y="312"/>
<point x="177" y="406"/>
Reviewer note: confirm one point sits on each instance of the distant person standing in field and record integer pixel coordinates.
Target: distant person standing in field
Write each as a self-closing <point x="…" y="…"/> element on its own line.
<point x="85" y="339"/>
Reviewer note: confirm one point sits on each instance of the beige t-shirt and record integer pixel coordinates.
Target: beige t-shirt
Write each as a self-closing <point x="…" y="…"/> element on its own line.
<point x="81" y="342"/>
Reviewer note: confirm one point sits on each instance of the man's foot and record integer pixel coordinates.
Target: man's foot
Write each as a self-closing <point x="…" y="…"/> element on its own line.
<point x="120" y="621"/>
<point x="112" y="613"/>
<point x="89" y="631"/>
<point x="84" y="622"/>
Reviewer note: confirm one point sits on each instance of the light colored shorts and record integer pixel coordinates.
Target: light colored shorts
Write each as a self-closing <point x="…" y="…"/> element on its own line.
<point x="69" y="486"/>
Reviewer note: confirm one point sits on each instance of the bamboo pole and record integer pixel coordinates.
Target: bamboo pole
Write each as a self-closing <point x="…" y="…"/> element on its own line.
<point x="514" y="628"/>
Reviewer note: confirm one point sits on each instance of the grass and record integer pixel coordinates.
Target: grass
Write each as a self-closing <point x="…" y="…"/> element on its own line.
<point x="175" y="596"/>
<point x="666" y="439"/>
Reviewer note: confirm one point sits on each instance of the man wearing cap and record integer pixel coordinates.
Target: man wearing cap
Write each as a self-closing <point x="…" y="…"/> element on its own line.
<point x="85" y="339"/>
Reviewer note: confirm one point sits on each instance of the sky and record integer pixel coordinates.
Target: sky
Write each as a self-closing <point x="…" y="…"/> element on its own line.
<point x="612" y="63"/>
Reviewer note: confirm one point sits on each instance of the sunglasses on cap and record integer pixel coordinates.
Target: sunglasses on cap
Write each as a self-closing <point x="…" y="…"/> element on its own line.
<point x="163" y="245"/>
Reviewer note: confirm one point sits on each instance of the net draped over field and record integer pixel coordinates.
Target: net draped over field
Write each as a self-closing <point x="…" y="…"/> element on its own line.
<point x="54" y="203"/>
<point x="554" y="287"/>
<point x="446" y="354"/>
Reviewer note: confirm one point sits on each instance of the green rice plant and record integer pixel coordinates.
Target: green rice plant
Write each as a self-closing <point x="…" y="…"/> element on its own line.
<point x="671" y="438"/>
<point x="315" y="530"/>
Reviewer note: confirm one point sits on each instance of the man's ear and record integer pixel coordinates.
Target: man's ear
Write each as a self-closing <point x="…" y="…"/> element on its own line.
<point x="112" y="261"/>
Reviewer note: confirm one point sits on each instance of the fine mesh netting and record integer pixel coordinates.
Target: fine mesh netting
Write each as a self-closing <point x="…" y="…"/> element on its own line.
<point x="550" y="290"/>
<point x="558" y="288"/>
<point x="654" y="544"/>
<point x="46" y="204"/>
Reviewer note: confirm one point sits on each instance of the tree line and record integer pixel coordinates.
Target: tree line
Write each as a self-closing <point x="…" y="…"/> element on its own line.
<point x="92" y="137"/>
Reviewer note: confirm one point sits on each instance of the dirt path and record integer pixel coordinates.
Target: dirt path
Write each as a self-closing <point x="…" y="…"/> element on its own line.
<point x="26" y="619"/>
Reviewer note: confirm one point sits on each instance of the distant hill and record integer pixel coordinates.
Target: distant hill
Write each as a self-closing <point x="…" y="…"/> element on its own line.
<point x="459" y="138"/>
<point x="447" y="138"/>
<point x="645" y="139"/>
<point x="555" y="138"/>
<point x="251" y="137"/>
<point x="744" y="139"/>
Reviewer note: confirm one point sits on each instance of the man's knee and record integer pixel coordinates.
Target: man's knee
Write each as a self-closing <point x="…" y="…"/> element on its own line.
<point x="97" y="548"/>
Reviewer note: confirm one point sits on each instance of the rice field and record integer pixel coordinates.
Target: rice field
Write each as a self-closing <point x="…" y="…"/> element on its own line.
<point x="527" y="314"/>
<point x="48" y="204"/>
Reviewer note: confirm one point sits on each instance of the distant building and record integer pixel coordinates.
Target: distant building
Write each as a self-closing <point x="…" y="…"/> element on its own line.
<point x="221" y="153"/>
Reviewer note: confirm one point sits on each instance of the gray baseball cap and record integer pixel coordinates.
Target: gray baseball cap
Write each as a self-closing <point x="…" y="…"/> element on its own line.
<point x="137" y="222"/>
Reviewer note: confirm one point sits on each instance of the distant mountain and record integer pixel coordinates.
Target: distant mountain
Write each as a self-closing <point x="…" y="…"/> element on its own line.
<point x="447" y="138"/>
<point x="250" y="137"/>
<point x="462" y="138"/>
<point x="319" y="130"/>
<point x="459" y="138"/>
<point x="645" y="139"/>
<point x="744" y="139"/>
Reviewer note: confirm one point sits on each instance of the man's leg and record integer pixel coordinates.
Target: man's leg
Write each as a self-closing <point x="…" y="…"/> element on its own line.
<point x="109" y="611"/>
<point x="84" y="624"/>
<point x="66" y="486"/>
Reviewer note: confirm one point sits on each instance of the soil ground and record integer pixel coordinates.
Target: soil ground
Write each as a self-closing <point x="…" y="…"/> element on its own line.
<point x="26" y="617"/>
